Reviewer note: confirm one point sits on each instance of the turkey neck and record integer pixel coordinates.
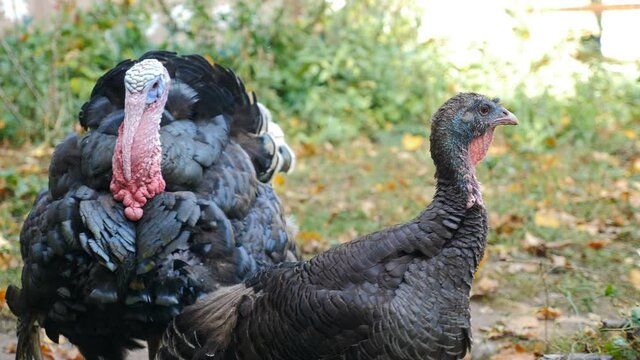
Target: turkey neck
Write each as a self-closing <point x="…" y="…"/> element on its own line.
<point x="458" y="208"/>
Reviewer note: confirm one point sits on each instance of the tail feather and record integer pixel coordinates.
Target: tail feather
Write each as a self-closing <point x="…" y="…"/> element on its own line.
<point x="205" y="329"/>
<point x="28" y="340"/>
<point x="28" y="335"/>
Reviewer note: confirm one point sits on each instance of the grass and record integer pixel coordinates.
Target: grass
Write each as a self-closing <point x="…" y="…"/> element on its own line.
<point x="581" y="202"/>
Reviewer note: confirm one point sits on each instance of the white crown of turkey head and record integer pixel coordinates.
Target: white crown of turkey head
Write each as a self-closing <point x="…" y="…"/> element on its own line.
<point x="137" y="175"/>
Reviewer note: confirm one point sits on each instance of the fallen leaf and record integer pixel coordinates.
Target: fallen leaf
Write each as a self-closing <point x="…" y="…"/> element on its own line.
<point x="484" y="286"/>
<point x="524" y="326"/>
<point x="347" y="236"/>
<point x="46" y="352"/>
<point x="8" y="261"/>
<point x="4" y="243"/>
<point x="523" y="267"/>
<point x="318" y="188"/>
<point x="511" y="353"/>
<point x="11" y="348"/>
<point x="412" y="142"/>
<point x="312" y="242"/>
<point x="635" y="166"/>
<point x="534" y="244"/>
<point x="634" y="278"/>
<point x="505" y="224"/>
<point x="599" y="244"/>
<point x="548" y="313"/>
<point x="546" y="218"/>
<point x="390" y="185"/>
<point x="278" y="180"/>
<point x="630" y="134"/>
<point x="559" y="261"/>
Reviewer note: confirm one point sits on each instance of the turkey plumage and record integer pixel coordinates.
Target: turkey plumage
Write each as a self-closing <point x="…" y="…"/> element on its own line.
<point x="163" y="199"/>
<point x="399" y="293"/>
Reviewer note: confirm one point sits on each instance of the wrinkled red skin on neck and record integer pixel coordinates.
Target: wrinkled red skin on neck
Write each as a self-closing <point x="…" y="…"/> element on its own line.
<point x="477" y="151"/>
<point x="479" y="147"/>
<point x="137" y="174"/>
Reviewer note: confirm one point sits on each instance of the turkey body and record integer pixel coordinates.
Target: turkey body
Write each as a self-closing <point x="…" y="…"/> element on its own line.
<point x="400" y="293"/>
<point x="106" y="282"/>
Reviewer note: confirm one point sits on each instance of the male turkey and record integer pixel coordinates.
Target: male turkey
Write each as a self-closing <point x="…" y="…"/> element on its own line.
<point x="157" y="204"/>
<point x="400" y="293"/>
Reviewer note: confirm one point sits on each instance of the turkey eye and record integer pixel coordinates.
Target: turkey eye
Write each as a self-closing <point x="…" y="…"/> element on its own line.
<point x="155" y="85"/>
<point x="484" y="109"/>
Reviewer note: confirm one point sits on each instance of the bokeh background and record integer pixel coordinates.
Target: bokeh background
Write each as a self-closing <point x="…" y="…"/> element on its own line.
<point x="353" y="84"/>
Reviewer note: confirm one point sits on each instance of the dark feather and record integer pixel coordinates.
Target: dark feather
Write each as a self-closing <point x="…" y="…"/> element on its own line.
<point x="399" y="293"/>
<point x="105" y="282"/>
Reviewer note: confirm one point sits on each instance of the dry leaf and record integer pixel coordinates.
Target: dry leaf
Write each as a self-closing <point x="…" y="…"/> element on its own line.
<point x="546" y="218"/>
<point x="634" y="278"/>
<point x="4" y="243"/>
<point x="534" y="244"/>
<point x="412" y="142"/>
<point x="278" y="180"/>
<point x="8" y="261"/>
<point x="484" y="286"/>
<point x="548" y="313"/>
<point x="524" y="326"/>
<point x="312" y="242"/>
<point x="11" y="348"/>
<point x="511" y="353"/>
<point x="523" y="267"/>
<point x="519" y="348"/>
<point x="599" y="244"/>
<point x="367" y="207"/>
<point x="559" y="261"/>
<point x="47" y="354"/>
<point x="505" y="224"/>
<point x="553" y="218"/>
<point x="390" y="185"/>
<point x="318" y="188"/>
<point x="630" y="134"/>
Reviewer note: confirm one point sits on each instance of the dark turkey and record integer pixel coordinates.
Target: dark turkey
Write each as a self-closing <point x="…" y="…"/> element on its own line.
<point x="400" y="293"/>
<point x="157" y="204"/>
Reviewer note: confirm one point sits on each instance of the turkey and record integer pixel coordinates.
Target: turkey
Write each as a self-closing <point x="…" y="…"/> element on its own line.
<point x="399" y="293"/>
<point x="164" y="198"/>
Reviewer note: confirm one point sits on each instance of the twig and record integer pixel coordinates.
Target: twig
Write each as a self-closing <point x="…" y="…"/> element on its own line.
<point x="14" y="60"/>
<point x="12" y="108"/>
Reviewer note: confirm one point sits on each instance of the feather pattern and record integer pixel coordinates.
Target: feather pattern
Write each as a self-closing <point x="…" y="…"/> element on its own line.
<point x="106" y="282"/>
<point x="399" y="293"/>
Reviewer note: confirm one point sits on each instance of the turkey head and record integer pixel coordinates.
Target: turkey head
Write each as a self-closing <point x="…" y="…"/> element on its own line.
<point x="137" y="175"/>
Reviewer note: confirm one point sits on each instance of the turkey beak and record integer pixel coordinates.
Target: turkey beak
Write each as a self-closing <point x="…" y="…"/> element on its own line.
<point x="507" y="118"/>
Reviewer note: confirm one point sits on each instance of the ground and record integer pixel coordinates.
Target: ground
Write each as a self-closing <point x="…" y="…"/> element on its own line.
<point x="564" y="246"/>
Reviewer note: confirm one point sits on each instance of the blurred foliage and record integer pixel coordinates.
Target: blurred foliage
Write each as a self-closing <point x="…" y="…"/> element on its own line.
<point x="327" y="74"/>
<point x="327" y="70"/>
